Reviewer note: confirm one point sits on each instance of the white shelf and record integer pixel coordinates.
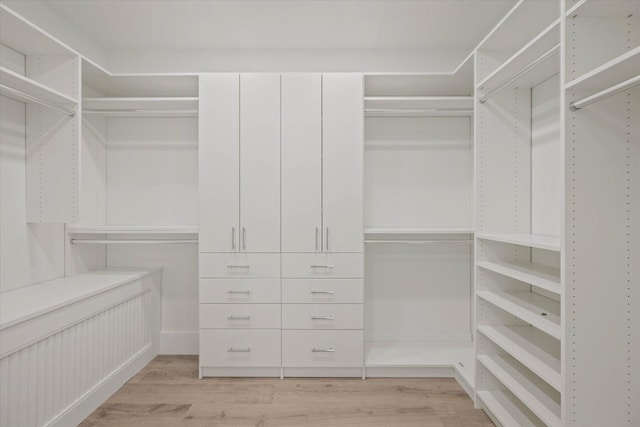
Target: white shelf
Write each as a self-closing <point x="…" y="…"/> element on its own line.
<point x="542" y="276"/>
<point x="26" y="38"/>
<point x="530" y="240"/>
<point x="532" y="391"/>
<point x="543" y="42"/>
<point x="131" y="229"/>
<point x="31" y="88"/>
<point x="537" y="351"/>
<point x="615" y="71"/>
<point x="418" y="102"/>
<point x="604" y="8"/>
<point x="541" y="312"/>
<point x="142" y="106"/>
<point x="416" y="232"/>
<point x="507" y="410"/>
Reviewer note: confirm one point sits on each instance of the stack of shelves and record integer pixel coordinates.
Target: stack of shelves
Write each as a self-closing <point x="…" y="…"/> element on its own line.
<point x="518" y="303"/>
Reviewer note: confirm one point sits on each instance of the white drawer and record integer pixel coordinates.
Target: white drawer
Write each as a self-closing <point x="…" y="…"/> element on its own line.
<point x="237" y="347"/>
<point x="322" y="290"/>
<point x="240" y="316"/>
<point x="239" y="265"/>
<point x="240" y="291"/>
<point x="323" y="265"/>
<point x="306" y="349"/>
<point x="322" y="316"/>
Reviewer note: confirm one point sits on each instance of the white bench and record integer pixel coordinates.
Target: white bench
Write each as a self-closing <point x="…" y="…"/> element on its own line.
<point x="66" y="345"/>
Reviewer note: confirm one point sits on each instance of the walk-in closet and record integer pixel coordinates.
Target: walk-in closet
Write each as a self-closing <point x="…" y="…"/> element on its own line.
<point x="288" y="213"/>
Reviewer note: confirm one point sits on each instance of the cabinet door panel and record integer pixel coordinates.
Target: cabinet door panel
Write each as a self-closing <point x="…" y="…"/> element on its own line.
<point x="342" y="148"/>
<point x="219" y="162"/>
<point x="301" y="162"/>
<point x="260" y="162"/>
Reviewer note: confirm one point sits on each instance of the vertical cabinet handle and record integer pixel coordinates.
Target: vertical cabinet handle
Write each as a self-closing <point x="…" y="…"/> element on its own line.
<point x="233" y="237"/>
<point x="244" y="238"/>
<point x="316" y="238"/>
<point x="327" y="247"/>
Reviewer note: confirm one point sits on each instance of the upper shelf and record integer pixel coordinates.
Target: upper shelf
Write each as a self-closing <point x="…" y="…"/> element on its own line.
<point x="142" y="107"/>
<point x="24" y="37"/>
<point x="376" y="106"/>
<point x="531" y="240"/>
<point x="24" y="89"/>
<point x="131" y="229"/>
<point x="615" y="71"/>
<point x="604" y="8"/>
<point x="538" y="60"/>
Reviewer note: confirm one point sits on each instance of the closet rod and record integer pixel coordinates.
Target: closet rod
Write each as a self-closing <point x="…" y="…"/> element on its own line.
<point x="397" y="112"/>
<point x="484" y="98"/>
<point x="132" y="241"/>
<point x="419" y="242"/>
<point x="137" y="111"/>
<point x="627" y="84"/>
<point x="37" y="100"/>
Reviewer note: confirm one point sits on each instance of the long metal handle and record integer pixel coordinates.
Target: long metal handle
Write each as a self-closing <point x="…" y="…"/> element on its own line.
<point x="239" y="350"/>
<point x="316" y="238"/>
<point x="327" y="246"/>
<point x="329" y="292"/>
<point x="239" y="292"/>
<point x="627" y="84"/>
<point x="239" y="317"/>
<point x="322" y="350"/>
<point x="323" y="266"/>
<point x="233" y="237"/>
<point x="323" y="318"/>
<point x="238" y="266"/>
<point x="244" y="238"/>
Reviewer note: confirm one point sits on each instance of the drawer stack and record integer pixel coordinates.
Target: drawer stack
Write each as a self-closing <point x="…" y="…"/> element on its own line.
<point x="322" y="313"/>
<point x="240" y="314"/>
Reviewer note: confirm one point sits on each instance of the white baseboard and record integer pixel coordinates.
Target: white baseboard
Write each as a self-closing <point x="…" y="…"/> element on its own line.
<point x="179" y="342"/>
<point x="97" y="395"/>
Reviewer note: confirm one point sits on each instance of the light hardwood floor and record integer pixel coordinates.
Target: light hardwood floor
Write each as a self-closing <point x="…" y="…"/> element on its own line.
<point x="168" y="393"/>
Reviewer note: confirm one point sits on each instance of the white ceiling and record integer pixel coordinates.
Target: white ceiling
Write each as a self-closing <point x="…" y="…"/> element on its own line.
<point x="283" y="24"/>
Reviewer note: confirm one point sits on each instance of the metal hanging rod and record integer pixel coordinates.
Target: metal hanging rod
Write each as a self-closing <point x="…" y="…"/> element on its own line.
<point x="484" y="98"/>
<point x="398" y="112"/>
<point x="130" y="242"/>
<point x="419" y="242"/>
<point x="627" y="84"/>
<point x="134" y="112"/>
<point x="37" y="100"/>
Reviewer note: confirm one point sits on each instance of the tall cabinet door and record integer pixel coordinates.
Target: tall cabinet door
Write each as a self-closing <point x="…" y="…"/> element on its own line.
<point x="260" y="163"/>
<point x="342" y="108"/>
<point x="301" y="162"/>
<point x="219" y="162"/>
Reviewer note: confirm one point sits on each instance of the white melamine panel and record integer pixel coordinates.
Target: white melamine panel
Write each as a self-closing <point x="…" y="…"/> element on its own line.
<point x="219" y="160"/>
<point x="410" y="289"/>
<point x="12" y="59"/>
<point x="59" y="72"/>
<point x="29" y="253"/>
<point x="324" y="265"/>
<point x="260" y="162"/>
<point x="322" y="316"/>
<point x="236" y="265"/>
<point x="418" y="172"/>
<point x="301" y="162"/>
<point x="546" y="168"/>
<point x="332" y="348"/>
<point x="152" y="171"/>
<point x="316" y="291"/>
<point x="239" y="348"/>
<point x="237" y="291"/>
<point x="240" y="316"/>
<point x="93" y="173"/>
<point x="342" y="162"/>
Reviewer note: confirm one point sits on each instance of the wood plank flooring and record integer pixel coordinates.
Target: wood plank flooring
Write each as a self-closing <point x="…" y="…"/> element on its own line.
<point x="167" y="392"/>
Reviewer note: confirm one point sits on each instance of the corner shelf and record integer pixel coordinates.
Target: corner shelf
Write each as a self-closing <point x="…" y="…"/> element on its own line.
<point x="31" y="88"/>
<point x="507" y="410"/>
<point x="530" y="240"/>
<point x="529" y="307"/>
<point x="542" y="276"/>
<point x="526" y="387"/>
<point x="530" y="347"/>
<point x="617" y="70"/>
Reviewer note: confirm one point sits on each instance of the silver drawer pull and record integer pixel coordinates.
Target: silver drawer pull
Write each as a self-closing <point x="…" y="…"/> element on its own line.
<point x="239" y="317"/>
<point x="329" y="292"/>
<point x="239" y="350"/>
<point x="323" y="318"/>
<point x="323" y="266"/>
<point x="238" y="292"/>
<point x="238" y="266"/>
<point x="322" y="350"/>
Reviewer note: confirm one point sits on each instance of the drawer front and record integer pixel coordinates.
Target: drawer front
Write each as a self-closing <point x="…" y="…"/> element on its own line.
<point x="307" y="349"/>
<point x="240" y="291"/>
<point x="240" y="348"/>
<point x="323" y="265"/>
<point x="322" y="316"/>
<point x="322" y="291"/>
<point x="239" y="265"/>
<point x="240" y="316"/>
